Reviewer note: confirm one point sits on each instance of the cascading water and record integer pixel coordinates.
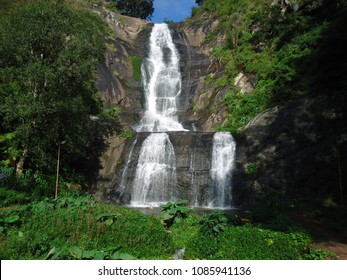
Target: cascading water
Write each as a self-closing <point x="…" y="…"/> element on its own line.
<point x="162" y="83"/>
<point x="155" y="178"/>
<point x="124" y="182"/>
<point x="223" y="157"/>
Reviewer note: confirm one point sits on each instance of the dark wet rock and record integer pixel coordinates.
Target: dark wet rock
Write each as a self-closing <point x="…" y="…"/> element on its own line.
<point x="299" y="150"/>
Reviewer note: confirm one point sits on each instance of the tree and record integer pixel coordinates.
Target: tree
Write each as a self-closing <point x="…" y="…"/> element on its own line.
<point x="135" y="8"/>
<point x="199" y="2"/>
<point x="48" y="56"/>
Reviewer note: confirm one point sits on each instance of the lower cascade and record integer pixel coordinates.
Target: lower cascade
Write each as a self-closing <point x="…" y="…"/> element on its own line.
<point x="167" y="166"/>
<point x="155" y="177"/>
<point x="223" y="157"/>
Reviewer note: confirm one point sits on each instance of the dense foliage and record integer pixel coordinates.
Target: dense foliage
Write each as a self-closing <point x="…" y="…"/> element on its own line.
<point x="75" y="226"/>
<point x="199" y="2"/>
<point x="288" y="49"/>
<point x="48" y="55"/>
<point x="78" y="227"/>
<point x="135" y="8"/>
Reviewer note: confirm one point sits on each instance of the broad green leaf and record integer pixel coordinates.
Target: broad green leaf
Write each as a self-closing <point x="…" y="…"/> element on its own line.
<point x="167" y="216"/>
<point x="100" y="255"/>
<point x="11" y="219"/>
<point x="122" y="256"/>
<point x="178" y="220"/>
<point x="109" y="222"/>
<point x="89" y="254"/>
<point x="101" y="216"/>
<point x="76" y="252"/>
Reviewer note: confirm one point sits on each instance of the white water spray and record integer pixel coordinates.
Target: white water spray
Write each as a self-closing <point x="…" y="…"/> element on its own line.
<point x="162" y="83"/>
<point x="223" y="158"/>
<point x="155" y="179"/>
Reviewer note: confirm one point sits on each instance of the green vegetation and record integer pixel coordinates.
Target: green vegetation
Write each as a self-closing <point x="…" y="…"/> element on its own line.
<point x="251" y="169"/>
<point x="285" y="48"/>
<point x="112" y="112"/>
<point x="213" y="223"/>
<point x="168" y="21"/>
<point x="174" y="212"/>
<point x="49" y="51"/>
<point x="134" y="8"/>
<point x="126" y="133"/>
<point x="75" y="226"/>
<point x="248" y="242"/>
<point x="137" y="67"/>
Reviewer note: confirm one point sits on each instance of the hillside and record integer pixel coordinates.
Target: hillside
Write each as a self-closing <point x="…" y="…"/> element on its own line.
<point x="267" y="75"/>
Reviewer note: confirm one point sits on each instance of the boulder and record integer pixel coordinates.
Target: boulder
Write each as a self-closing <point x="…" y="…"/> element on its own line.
<point x="299" y="150"/>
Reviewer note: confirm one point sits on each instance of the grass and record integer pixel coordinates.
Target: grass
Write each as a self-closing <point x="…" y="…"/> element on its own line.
<point x="70" y="223"/>
<point x="76" y="226"/>
<point x="247" y="241"/>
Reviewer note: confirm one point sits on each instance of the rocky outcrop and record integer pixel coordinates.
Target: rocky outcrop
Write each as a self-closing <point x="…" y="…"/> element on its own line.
<point x="245" y="83"/>
<point x="119" y="88"/>
<point x="295" y="152"/>
<point x="116" y="79"/>
<point x="202" y="97"/>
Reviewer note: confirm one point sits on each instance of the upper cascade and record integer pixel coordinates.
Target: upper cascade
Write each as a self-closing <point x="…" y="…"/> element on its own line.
<point x="162" y="83"/>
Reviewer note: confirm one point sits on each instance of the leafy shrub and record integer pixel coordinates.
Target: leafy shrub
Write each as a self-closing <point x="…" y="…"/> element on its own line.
<point x="251" y="169"/>
<point x="213" y="223"/>
<point x="127" y="133"/>
<point x="111" y="113"/>
<point x="83" y="223"/>
<point x="10" y="197"/>
<point x="317" y="254"/>
<point x="249" y="242"/>
<point x="195" y="11"/>
<point x="8" y="221"/>
<point x="174" y="212"/>
<point x="106" y="218"/>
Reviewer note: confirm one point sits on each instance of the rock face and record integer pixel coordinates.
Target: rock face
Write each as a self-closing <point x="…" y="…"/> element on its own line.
<point x="297" y="152"/>
<point x="116" y="81"/>
<point x="118" y="87"/>
<point x="202" y="100"/>
<point x="245" y="83"/>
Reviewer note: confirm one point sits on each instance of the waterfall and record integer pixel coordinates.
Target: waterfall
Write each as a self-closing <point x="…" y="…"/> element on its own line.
<point x="223" y="157"/>
<point x="162" y="83"/>
<point x="124" y="180"/>
<point x="154" y="180"/>
<point x="155" y="177"/>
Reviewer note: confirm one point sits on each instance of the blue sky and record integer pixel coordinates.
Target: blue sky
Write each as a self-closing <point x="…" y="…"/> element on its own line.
<point x="176" y="10"/>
